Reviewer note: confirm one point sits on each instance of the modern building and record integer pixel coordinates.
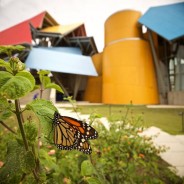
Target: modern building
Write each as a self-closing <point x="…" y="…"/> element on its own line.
<point x="64" y="50"/>
<point x="143" y="57"/>
<point x="141" y="63"/>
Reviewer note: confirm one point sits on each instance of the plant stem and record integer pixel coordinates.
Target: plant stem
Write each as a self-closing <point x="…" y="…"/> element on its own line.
<point x="20" y="122"/>
<point x="19" y="118"/>
<point x="41" y="90"/>
<point x="102" y="179"/>
<point x="37" y="168"/>
<point x="7" y="127"/>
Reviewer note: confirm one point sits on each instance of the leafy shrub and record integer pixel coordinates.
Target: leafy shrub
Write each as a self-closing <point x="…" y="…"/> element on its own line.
<point x="22" y="156"/>
<point x="126" y="156"/>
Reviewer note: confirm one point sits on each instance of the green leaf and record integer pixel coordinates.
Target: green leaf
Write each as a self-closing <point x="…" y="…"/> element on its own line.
<point x="18" y="161"/>
<point x="4" y="77"/>
<point x="10" y="48"/>
<point x="18" y="48"/>
<point x="42" y="107"/>
<point x="27" y="162"/>
<point x="87" y="168"/>
<point x="43" y="72"/>
<point x="44" y="110"/>
<point x="11" y="172"/>
<point x="30" y="131"/>
<point x="4" y="104"/>
<point x="43" y="75"/>
<point x="14" y="87"/>
<point x="36" y="87"/>
<point x="45" y="81"/>
<point x="6" y="65"/>
<point x="47" y="160"/>
<point x="27" y="75"/>
<point x="92" y="180"/>
<point x="5" y="115"/>
<point x="6" y="108"/>
<point x="55" y="86"/>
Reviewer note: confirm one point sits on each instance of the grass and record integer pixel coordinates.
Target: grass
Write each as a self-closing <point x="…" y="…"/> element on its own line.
<point x="167" y="119"/>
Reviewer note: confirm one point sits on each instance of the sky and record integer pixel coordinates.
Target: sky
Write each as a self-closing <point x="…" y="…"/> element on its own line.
<point x="93" y="13"/>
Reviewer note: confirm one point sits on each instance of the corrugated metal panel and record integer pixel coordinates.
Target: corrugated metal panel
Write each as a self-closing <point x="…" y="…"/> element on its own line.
<point x="167" y="21"/>
<point x="65" y="62"/>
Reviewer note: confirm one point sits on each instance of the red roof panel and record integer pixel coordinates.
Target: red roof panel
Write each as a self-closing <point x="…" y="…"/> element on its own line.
<point x="21" y="32"/>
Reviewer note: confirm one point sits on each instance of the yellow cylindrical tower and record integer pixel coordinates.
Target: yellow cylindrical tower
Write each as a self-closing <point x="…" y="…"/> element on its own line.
<point x="122" y="24"/>
<point x="93" y="92"/>
<point x="128" y="73"/>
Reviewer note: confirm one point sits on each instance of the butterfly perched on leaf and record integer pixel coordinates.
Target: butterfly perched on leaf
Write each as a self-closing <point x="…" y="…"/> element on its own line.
<point x="70" y="133"/>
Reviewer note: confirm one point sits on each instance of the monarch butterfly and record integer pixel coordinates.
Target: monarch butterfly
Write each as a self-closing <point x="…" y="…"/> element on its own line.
<point x="70" y="133"/>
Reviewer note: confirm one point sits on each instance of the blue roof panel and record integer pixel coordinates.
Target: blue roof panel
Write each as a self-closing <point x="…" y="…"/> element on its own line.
<point x="66" y="62"/>
<point x="72" y="50"/>
<point x="167" y="21"/>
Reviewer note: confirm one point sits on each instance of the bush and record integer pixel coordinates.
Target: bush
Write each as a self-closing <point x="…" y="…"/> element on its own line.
<point x="126" y="156"/>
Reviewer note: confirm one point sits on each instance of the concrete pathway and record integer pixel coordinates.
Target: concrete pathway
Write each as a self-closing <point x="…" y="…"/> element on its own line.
<point x="175" y="144"/>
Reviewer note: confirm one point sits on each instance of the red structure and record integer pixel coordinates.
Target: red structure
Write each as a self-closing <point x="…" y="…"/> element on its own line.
<point x="21" y="33"/>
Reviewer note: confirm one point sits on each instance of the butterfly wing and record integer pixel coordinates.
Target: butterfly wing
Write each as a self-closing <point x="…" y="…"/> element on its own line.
<point x="86" y="130"/>
<point x="65" y="137"/>
<point x="83" y="146"/>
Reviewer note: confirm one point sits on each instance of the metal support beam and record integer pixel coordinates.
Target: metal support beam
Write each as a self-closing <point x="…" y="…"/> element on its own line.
<point x="160" y="79"/>
<point x="77" y="85"/>
<point x="60" y="84"/>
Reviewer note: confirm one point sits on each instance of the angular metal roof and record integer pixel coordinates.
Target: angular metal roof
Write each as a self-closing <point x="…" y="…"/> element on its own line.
<point x="167" y="21"/>
<point x="61" y="59"/>
<point x="21" y="33"/>
<point x="75" y="36"/>
<point x="67" y="29"/>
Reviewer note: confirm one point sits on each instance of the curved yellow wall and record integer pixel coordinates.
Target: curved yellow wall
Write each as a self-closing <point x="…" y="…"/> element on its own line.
<point x="128" y="74"/>
<point x="122" y="24"/>
<point x="93" y="91"/>
<point x="97" y="61"/>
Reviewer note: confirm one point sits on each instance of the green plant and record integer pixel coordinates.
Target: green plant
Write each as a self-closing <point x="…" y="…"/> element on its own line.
<point x="22" y="154"/>
<point x="126" y="156"/>
<point x="120" y="155"/>
<point x="27" y="151"/>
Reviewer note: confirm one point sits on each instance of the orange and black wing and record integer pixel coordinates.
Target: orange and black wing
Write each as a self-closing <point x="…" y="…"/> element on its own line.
<point x="86" y="130"/>
<point x="83" y="146"/>
<point x="70" y="133"/>
<point x="65" y="137"/>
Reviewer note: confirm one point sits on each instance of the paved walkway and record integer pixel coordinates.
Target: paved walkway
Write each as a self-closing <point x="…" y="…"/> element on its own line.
<point x="175" y="144"/>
